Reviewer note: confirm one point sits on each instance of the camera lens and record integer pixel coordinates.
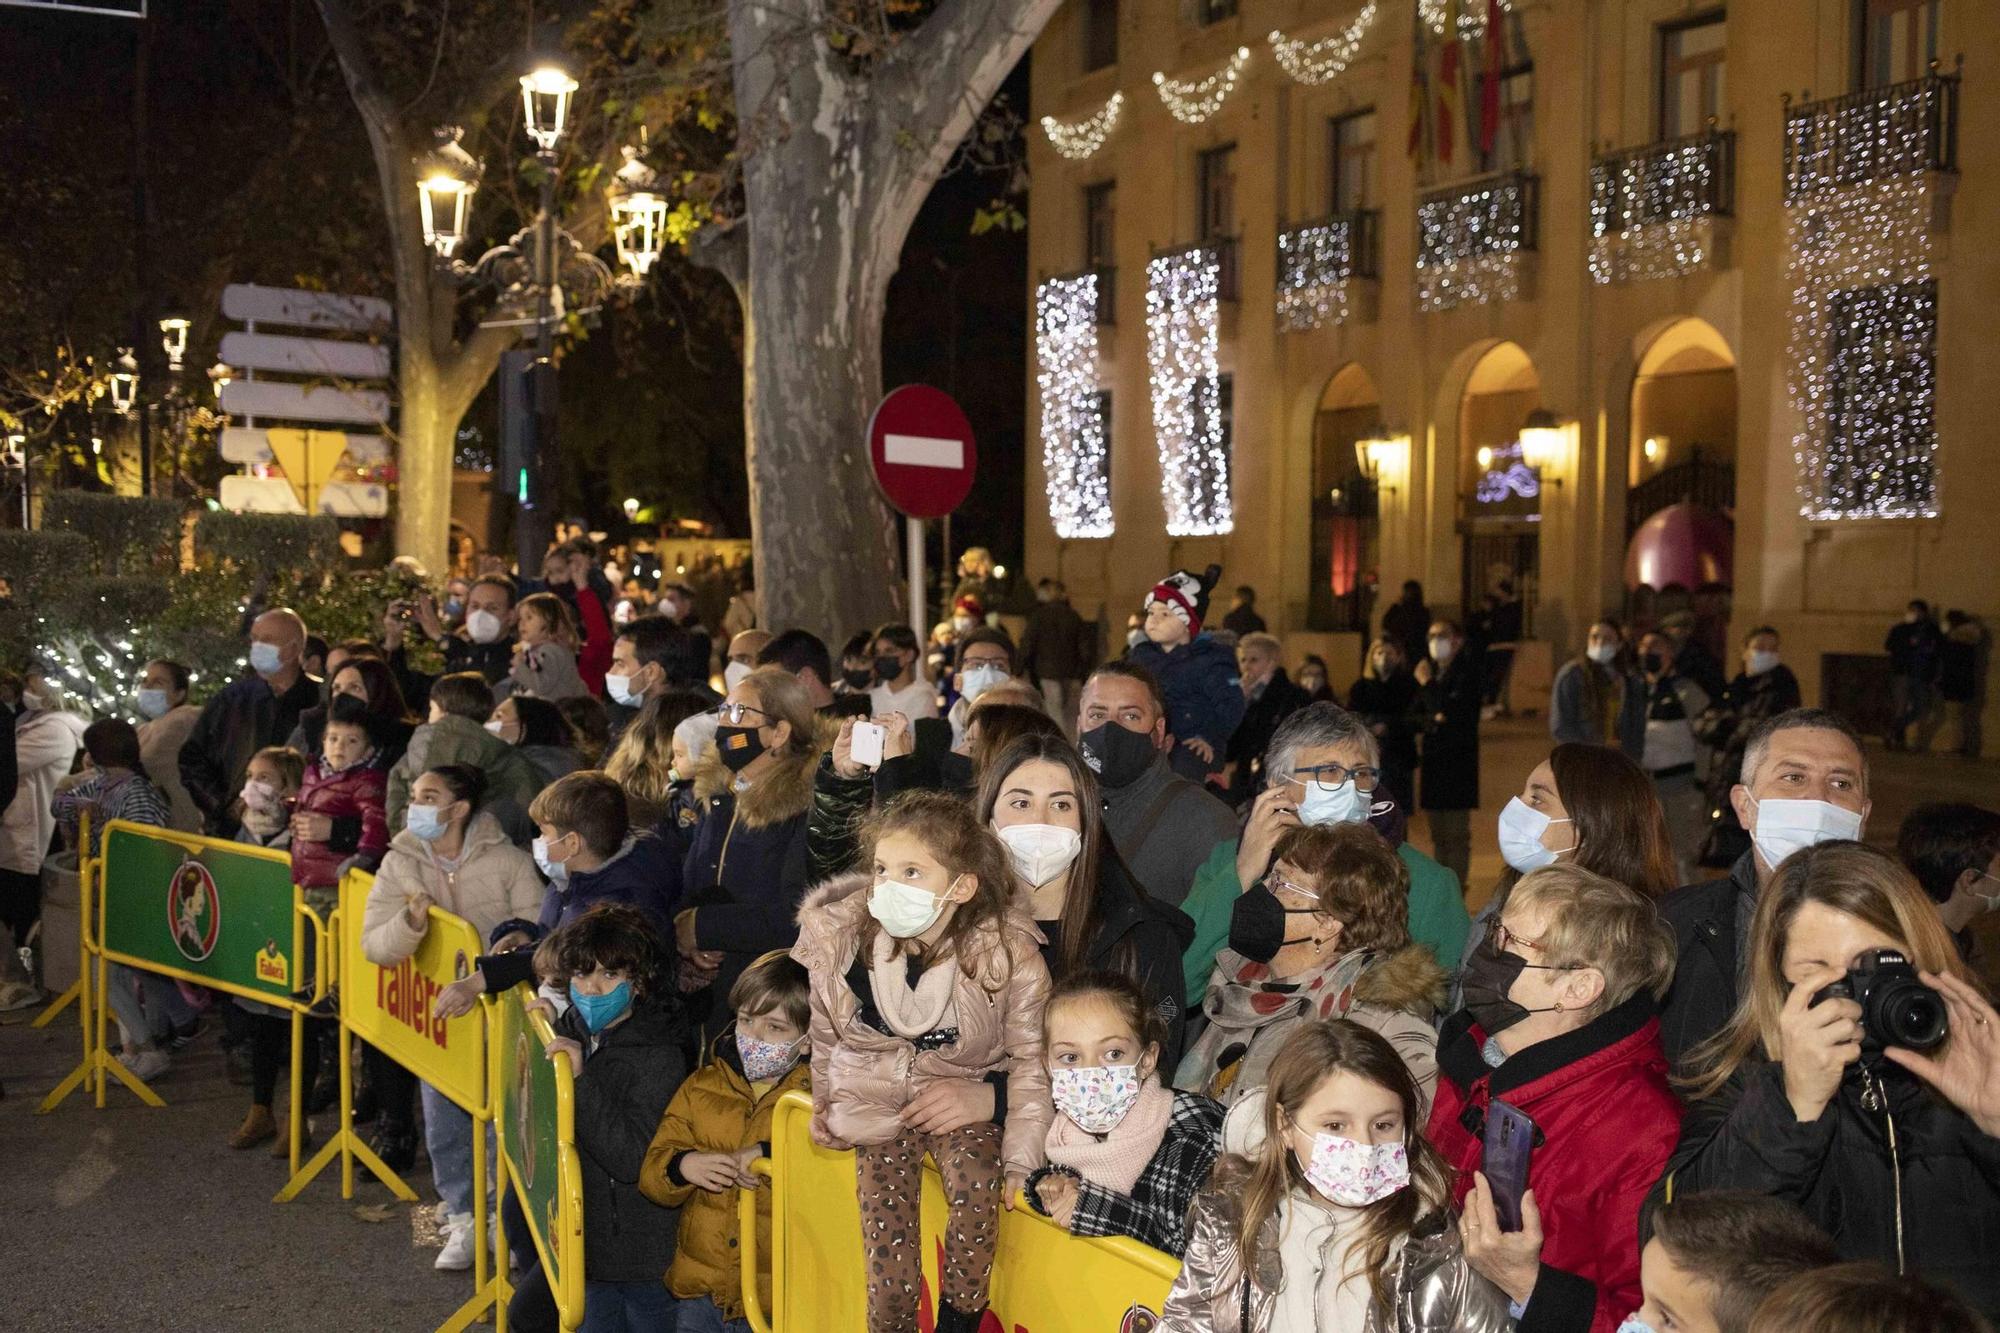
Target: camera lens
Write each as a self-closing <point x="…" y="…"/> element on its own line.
<point x="1909" y="1014"/>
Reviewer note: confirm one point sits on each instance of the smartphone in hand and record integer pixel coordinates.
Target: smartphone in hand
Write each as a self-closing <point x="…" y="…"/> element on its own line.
<point x="866" y="744"/>
<point x="1510" y="1139"/>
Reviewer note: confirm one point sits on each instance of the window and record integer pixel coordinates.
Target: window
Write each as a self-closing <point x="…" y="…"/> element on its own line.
<point x="1100" y="219"/>
<point x="1691" y="76"/>
<point x="1215" y="172"/>
<point x="1213" y="11"/>
<point x="1881" y="376"/>
<point x="1351" y="168"/>
<point x="1898" y="39"/>
<point x="1100" y="34"/>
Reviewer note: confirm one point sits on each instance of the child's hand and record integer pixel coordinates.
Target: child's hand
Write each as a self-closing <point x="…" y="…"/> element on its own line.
<point x="1201" y="749"/>
<point x="1011" y="1186"/>
<point x="457" y="999"/>
<point x="311" y="828"/>
<point x="743" y="1157"/>
<point x="948" y="1104"/>
<point x="1057" y="1195"/>
<point x="568" y="1046"/>
<point x="712" y="1171"/>
<point x="540" y="1005"/>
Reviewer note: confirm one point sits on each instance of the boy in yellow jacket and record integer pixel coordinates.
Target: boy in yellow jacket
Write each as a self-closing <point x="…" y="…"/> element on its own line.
<point x="717" y="1124"/>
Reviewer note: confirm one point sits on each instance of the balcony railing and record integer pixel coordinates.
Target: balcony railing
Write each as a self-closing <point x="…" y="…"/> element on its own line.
<point x="1472" y="237"/>
<point x="1702" y="481"/>
<point x="1671" y="181"/>
<point x="1105" y="291"/>
<point x="1869" y="136"/>
<point x="1225" y="249"/>
<point x="1318" y="260"/>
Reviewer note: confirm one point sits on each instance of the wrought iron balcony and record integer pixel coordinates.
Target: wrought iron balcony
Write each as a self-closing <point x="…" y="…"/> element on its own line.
<point x="1225" y="249"/>
<point x="1870" y="136"/>
<point x="1317" y="262"/>
<point x="1651" y="208"/>
<point x="1472" y="237"/>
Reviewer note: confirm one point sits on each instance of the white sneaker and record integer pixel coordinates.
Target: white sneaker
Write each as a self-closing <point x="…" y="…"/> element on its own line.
<point x="18" y="995"/>
<point x="456" y="1256"/>
<point x="146" y="1065"/>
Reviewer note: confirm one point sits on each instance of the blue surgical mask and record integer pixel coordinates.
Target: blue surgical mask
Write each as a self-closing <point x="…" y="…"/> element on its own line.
<point x="153" y="703"/>
<point x="1634" y="1324"/>
<point x="599" y="1012"/>
<point x="426" y="821"/>
<point x="557" y="871"/>
<point x="1341" y="805"/>
<point x="265" y="659"/>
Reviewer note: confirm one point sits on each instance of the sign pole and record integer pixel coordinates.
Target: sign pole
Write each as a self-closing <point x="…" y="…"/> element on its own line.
<point x="913" y="531"/>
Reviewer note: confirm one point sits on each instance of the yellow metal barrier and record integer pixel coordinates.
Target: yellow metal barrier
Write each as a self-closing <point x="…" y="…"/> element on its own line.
<point x="534" y="1104"/>
<point x="818" y="1268"/>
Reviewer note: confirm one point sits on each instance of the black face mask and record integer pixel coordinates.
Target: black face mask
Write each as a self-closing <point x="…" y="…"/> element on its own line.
<point x="1257" y="924"/>
<point x="1117" y="754"/>
<point x="888" y="668"/>
<point x="1489" y="974"/>
<point x="858" y="679"/>
<point x="1652" y="663"/>
<point x="738" y="746"/>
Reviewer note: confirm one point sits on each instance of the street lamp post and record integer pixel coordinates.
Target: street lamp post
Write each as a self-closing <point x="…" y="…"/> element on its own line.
<point x="545" y="99"/>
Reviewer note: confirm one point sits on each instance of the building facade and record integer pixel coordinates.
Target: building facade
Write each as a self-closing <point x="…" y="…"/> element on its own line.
<point x="1680" y="305"/>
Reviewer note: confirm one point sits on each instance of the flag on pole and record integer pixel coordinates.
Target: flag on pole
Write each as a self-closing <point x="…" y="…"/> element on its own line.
<point x="1447" y="100"/>
<point x="1420" y="94"/>
<point x="1489" y="88"/>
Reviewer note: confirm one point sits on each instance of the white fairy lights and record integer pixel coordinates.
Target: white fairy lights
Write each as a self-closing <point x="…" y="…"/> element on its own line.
<point x="1079" y="139"/>
<point x="1193" y="101"/>
<point x="1651" y="209"/>
<point x="1471" y="242"/>
<point x="1315" y="265"/>
<point x="1326" y="59"/>
<point x="1075" y="455"/>
<point x="1471" y="17"/>
<point x="1181" y="307"/>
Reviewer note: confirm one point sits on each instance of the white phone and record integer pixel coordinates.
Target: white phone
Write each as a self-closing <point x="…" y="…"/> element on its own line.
<point x="866" y="743"/>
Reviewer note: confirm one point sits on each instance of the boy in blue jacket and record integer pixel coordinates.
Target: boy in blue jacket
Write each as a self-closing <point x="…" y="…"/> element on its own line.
<point x="1198" y="676"/>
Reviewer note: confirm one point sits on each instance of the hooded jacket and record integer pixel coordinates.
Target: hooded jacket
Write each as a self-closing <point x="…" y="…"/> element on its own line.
<point x="1250" y="1016"/>
<point x="641" y="874"/>
<point x="495" y="880"/>
<point x="45" y="745"/>
<point x="1606" y="1122"/>
<point x="620" y="1096"/>
<point x="1434" y="1289"/>
<point x="863" y="1078"/>
<point x="1843" y="1170"/>
<point x="511" y="781"/>
<point x="1204" y="693"/>
<point x="716" y="1110"/>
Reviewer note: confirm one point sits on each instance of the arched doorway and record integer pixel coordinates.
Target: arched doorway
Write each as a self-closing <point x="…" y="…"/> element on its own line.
<point x="1346" y="554"/>
<point x="1502" y="509"/>
<point x="1680" y="501"/>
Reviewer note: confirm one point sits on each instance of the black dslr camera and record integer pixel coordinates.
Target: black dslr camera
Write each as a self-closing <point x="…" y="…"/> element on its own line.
<point x="1897" y="1008"/>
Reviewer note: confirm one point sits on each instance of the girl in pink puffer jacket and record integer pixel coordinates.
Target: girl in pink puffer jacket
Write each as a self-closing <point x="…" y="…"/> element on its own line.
<point x="927" y="986"/>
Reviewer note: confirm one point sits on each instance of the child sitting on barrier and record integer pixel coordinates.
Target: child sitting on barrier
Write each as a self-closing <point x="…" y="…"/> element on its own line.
<point x="453" y="855"/>
<point x="621" y="1035"/>
<point x="718" y="1123"/>
<point x="1329" y="1209"/>
<point x="927" y="993"/>
<point x="264" y="819"/>
<point x="1126" y="1155"/>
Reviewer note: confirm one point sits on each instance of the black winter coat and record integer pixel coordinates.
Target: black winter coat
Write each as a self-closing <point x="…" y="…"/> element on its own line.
<point x="1706" y="968"/>
<point x="1261" y="717"/>
<point x="233" y="726"/>
<point x="1385" y="705"/>
<point x="491" y="660"/>
<point x="1058" y="644"/>
<point x="620" y="1096"/>
<point x="1450" y="709"/>
<point x="1141" y="937"/>
<point x="1839" y="1169"/>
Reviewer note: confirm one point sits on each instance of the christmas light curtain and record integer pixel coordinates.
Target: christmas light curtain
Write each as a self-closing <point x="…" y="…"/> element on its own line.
<point x="1181" y="308"/>
<point x="1075" y="453"/>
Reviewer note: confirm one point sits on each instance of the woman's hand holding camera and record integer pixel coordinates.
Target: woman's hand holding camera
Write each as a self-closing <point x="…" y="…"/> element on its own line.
<point x="1968" y="1074"/>
<point x="1816" y="1043"/>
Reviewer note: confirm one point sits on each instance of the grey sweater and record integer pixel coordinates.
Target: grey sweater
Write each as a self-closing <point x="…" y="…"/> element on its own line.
<point x="1186" y="830"/>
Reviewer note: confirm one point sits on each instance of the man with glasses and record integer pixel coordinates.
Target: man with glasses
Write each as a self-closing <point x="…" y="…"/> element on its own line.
<point x="1323" y="767"/>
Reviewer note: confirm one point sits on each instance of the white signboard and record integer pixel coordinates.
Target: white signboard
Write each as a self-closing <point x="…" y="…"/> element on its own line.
<point x="299" y="402"/>
<point x="320" y="357"/>
<point x="274" y="495"/>
<point x="252" y="444"/>
<point x="307" y="310"/>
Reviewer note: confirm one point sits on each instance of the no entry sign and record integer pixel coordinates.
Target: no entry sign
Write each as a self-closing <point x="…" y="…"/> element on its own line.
<point x="921" y="446"/>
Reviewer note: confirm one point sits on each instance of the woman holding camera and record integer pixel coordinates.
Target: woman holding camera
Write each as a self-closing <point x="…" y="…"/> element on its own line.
<point x="1819" y="1098"/>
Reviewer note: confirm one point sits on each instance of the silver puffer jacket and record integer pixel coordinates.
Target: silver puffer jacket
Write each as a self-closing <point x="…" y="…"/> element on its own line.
<point x="1434" y="1289"/>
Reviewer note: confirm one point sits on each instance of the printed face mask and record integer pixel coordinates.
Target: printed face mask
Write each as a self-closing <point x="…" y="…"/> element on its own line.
<point x="1355" y="1175"/>
<point x="1341" y="805"/>
<point x="265" y="659"/>
<point x="1095" y="1098"/>
<point x="1521" y="828"/>
<point x="1116" y="754"/>
<point x="1040" y="852"/>
<point x="1257" y="923"/>
<point x="764" y="1061"/>
<point x="1784" y="826"/>
<point x="260" y="796"/>
<point x="482" y="626"/>
<point x="904" y="910"/>
<point x="599" y="1012"/>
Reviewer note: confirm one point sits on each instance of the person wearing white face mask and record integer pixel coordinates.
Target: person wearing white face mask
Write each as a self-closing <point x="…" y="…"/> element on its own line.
<point x="1042" y="800"/>
<point x="1347" y="1210"/>
<point x="1448" y="699"/>
<point x="1805" y="781"/>
<point x="483" y="643"/>
<point x="743" y="652"/>
<point x="167" y="719"/>
<point x="985" y="659"/>
<point x="1764" y="688"/>
<point x="1953" y="848"/>
<point x="1597" y="698"/>
<point x="250" y="713"/>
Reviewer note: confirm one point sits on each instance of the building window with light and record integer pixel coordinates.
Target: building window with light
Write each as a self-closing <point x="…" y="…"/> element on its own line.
<point x="1215" y="201"/>
<point x="1692" y="71"/>
<point x="1100" y="34"/>
<point x="1213" y="11"/>
<point x="1100" y="224"/>
<point x="1351" y="162"/>
<point x="1881" y="385"/>
<point x="1896" y="40"/>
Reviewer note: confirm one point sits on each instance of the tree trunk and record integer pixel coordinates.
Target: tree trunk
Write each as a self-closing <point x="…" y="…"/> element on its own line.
<point x="424" y="449"/>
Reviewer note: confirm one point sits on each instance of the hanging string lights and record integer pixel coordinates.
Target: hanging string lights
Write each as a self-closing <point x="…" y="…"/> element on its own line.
<point x="1192" y="102"/>
<point x="1472" y="242"/>
<point x="1315" y="263"/>
<point x="1075" y="455"/>
<point x="1181" y="308"/>
<point x="1079" y="139"/>
<point x="1326" y="59"/>
<point x="1652" y="210"/>
<point x="1471" y="17"/>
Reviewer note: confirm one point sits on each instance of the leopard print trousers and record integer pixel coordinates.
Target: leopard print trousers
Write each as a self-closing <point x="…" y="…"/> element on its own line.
<point x="888" y="1179"/>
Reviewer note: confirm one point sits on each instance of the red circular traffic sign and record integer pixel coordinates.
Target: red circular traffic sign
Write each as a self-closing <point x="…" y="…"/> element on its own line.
<point x="922" y="450"/>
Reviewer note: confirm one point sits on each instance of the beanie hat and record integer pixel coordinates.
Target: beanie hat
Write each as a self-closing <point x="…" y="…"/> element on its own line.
<point x="968" y="605"/>
<point x="1186" y="595"/>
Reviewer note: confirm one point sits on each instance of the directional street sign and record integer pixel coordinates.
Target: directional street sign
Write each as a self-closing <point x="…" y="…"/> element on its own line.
<point x="299" y="402"/>
<point x="307" y="310"/>
<point x="306" y="356"/>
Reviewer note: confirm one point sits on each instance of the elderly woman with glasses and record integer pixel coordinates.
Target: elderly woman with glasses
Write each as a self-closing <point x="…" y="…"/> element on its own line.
<point x="746" y="865"/>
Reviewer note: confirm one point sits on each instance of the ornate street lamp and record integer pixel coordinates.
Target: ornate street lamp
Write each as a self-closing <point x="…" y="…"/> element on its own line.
<point x="638" y="214"/>
<point x="545" y="94"/>
<point x="447" y="178"/>
<point x="174" y="340"/>
<point x="221" y="374"/>
<point x="124" y="382"/>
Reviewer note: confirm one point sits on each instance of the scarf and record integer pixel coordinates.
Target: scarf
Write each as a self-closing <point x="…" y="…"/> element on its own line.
<point x="1243" y="999"/>
<point x="1318" y="1291"/>
<point x="1115" y="1160"/>
<point x="910" y="1012"/>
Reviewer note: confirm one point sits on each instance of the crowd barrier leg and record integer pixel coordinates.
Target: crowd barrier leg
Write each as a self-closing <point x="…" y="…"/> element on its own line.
<point x="61" y="1002"/>
<point x="95" y="1010"/>
<point x="85" y="1066"/>
<point x="746" y="1229"/>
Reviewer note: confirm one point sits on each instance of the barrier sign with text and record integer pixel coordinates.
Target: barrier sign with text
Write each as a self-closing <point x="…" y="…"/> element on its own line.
<point x="390" y="1007"/>
<point x="220" y="913"/>
<point x="537" y="1139"/>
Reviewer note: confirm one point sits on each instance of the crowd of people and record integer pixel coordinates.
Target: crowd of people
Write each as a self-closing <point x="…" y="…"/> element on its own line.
<point x="1139" y="944"/>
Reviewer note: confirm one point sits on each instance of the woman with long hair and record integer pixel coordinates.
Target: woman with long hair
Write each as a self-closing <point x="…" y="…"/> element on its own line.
<point x="1810" y="1096"/>
<point x="1598" y="697"/>
<point x="642" y="762"/>
<point x="372" y="681"/>
<point x="1329" y="1211"/>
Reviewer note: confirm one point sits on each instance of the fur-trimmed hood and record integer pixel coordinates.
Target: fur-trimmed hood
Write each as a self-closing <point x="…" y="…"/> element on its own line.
<point x="1409" y="979"/>
<point x="783" y="793"/>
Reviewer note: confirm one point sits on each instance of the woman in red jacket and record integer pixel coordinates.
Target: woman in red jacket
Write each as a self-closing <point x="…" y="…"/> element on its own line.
<point x="1561" y="1023"/>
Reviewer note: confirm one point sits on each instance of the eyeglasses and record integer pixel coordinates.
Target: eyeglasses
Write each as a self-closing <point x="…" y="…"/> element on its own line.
<point x="1502" y="937"/>
<point x="1277" y="885"/>
<point x="734" y="714"/>
<point x="1329" y="776"/>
